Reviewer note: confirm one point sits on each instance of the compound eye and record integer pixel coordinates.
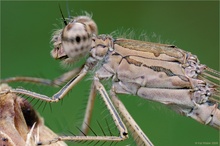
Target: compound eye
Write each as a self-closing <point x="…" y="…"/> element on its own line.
<point x="89" y="24"/>
<point x="76" y="40"/>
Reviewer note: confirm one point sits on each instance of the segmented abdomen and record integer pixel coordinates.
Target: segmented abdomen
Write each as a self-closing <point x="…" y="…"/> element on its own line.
<point x="162" y="73"/>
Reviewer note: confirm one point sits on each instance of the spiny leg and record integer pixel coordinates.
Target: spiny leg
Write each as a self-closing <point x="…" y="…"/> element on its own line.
<point x="89" y="108"/>
<point x="55" y="82"/>
<point x="116" y="117"/>
<point x="133" y="125"/>
<point x="57" y="96"/>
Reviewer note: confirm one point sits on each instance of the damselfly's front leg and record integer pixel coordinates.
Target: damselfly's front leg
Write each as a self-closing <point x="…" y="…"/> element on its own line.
<point x="55" y="82"/>
<point x="57" y="96"/>
<point x="116" y="117"/>
<point x="138" y="134"/>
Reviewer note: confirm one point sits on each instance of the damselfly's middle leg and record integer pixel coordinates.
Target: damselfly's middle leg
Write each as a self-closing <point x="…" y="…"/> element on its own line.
<point x="89" y="108"/>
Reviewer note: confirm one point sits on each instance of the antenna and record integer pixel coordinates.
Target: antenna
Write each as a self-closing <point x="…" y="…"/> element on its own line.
<point x="64" y="20"/>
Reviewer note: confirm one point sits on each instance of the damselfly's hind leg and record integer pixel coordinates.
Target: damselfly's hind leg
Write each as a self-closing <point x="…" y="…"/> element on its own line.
<point x="123" y="134"/>
<point x="137" y="133"/>
<point x="55" y="82"/>
<point x="139" y="136"/>
<point x="57" y="96"/>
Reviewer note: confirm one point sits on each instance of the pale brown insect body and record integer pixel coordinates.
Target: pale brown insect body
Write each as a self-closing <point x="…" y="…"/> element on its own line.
<point x="158" y="72"/>
<point x="20" y="124"/>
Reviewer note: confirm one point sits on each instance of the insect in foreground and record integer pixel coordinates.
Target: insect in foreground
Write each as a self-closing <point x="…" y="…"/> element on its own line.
<point x="20" y="124"/>
<point x="158" y="72"/>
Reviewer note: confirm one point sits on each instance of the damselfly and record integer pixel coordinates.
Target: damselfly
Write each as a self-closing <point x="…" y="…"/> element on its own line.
<point x="139" y="62"/>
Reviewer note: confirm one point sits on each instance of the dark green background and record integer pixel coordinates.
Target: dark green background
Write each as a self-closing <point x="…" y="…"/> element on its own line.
<point x="26" y="28"/>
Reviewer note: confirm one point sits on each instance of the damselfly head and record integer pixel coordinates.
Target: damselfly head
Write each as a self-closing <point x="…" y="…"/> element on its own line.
<point x="77" y="37"/>
<point x="75" y="40"/>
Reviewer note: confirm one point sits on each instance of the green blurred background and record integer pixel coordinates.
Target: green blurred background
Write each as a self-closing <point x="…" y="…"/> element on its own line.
<point x="26" y="29"/>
